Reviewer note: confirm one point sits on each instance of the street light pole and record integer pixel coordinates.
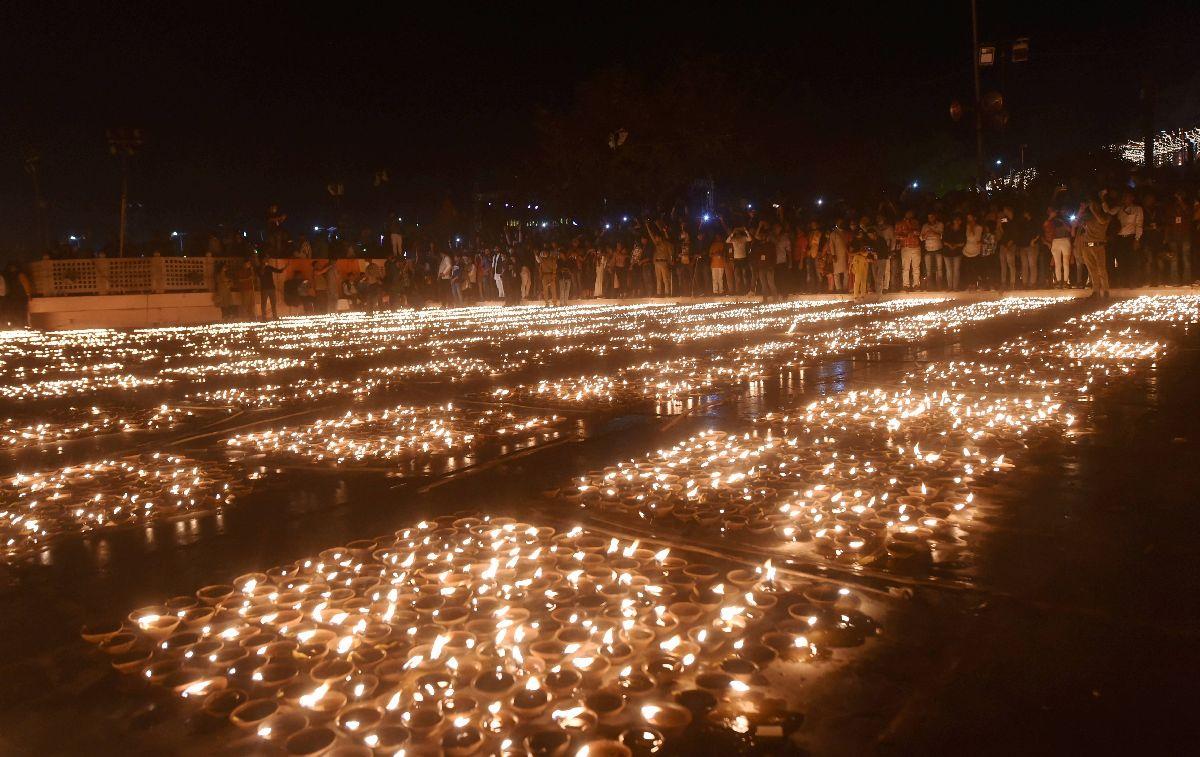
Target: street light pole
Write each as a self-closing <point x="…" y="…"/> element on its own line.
<point x="122" y="143"/>
<point x="978" y="97"/>
<point x="124" y="204"/>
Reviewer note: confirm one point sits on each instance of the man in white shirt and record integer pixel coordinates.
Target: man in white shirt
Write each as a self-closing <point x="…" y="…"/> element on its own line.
<point x="498" y="263"/>
<point x="1131" y="218"/>
<point x="445" y="271"/>
<point x="740" y="238"/>
<point x="783" y="256"/>
<point x="931" y="238"/>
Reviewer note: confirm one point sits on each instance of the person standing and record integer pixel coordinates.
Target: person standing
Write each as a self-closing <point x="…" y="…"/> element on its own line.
<point x="1177" y="233"/>
<point x="783" y="258"/>
<point x="1157" y="259"/>
<point x="224" y="298"/>
<point x="701" y="272"/>
<point x="1094" y="217"/>
<point x="1058" y="232"/>
<point x="972" y="248"/>
<point x="445" y="274"/>
<point x="739" y="241"/>
<point x="548" y="270"/>
<point x="620" y="268"/>
<point x="908" y="236"/>
<point x="1130" y="226"/>
<point x="601" y="272"/>
<point x="396" y="237"/>
<point x="499" y="261"/>
<point x="683" y="264"/>
<point x="566" y="264"/>
<point x="860" y="268"/>
<point x="931" y="240"/>
<point x="526" y="262"/>
<point x="17" y="290"/>
<point x="716" y="261"/>
<point x="1026" y="234"/>
<point x="953" y="242"/>
<point x="663" y="285"/>
<point x="799" y="256"/>
<point x="1006" y="238"/>
<point x="839" y="257"/>
<point x="764" y="264"/>
<point x="816" y="242"/>
<point x="266" y="288"/>
<point x="245" y="285"/>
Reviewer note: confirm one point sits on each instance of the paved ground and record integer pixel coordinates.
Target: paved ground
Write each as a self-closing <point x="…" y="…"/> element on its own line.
<point x="1076" y="627"/>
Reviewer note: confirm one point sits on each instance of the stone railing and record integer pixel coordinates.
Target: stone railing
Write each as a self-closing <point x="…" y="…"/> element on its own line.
<point x="58" y="278"/>
<point x="154" y="275"/>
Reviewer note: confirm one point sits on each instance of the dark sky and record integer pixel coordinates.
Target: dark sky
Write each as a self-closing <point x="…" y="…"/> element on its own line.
<point x="244" y="103"/>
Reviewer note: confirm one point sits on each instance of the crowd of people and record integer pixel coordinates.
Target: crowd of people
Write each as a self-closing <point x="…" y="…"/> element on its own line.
<point x="953" y="244"/>
<point x="960" y="242"/>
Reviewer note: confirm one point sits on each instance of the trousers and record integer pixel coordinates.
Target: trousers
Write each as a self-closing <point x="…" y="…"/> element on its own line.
<point x="910" y="266"/>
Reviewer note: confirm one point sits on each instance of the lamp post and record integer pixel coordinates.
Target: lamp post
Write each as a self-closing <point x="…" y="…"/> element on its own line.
<point x="975" y="52"/>
<point x="123" y="143"/>
<point x="32" y="161"/>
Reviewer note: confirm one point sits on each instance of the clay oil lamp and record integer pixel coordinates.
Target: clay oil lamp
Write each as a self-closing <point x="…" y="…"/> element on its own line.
<point x="193" y="684"/>
<point x="462" y="738"/>
<point x="698" y="701"/>
<point x="460" y="706"/>
<point x="605" y="748"/>
<point x="530" y="702"/>
<point x="253" y="713"/>
<point x="574" y="718"/>
<point x="357" y="719"/>
<point x="274" y="675"/>
<point x="330" y="671"/>
<point x="606" y="704"/>
<point x="94" y="633"/>
<point x="547" y="743"/>
<point x="157" y="627"/>
<point x="220" y="704"/>
<point x="562" y="682"/>
<point x="738" y="668"/>
<point x="758" y="655"/>
<point x="663" y="669"/>
<point x="388" y="739"/>
<point x="707" y="639"/>
<point x="322" y="702"/>
<point x="668" y="718"/>
<point x="642" y="741"/>
<point x="228" y="659"/>
<point x="423" y="721"/>
<point x="359" y="687"/>
<point x="211" y="595"/>
<point x="633" y="685"/>
<point x="495" y="684"/>
<point x="157" y="672"/>
<point x="310" y="741"/>
<point x="592" y="668"/>
<point x="714" y="682"/>
<point x="498" y="720"/>
<point x="131" y="660"/>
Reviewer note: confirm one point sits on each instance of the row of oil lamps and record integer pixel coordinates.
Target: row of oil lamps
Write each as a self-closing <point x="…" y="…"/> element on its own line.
<point x="472" y="635"/>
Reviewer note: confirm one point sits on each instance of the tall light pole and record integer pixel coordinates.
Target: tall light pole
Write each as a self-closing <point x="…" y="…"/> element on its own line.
<point x="123" y="143"/>
<point x="978" y="97"/>
<point x="32" y="160"/>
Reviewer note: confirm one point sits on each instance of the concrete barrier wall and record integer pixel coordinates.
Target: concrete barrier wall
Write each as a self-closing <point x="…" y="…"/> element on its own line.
<point x="123" y="310"/>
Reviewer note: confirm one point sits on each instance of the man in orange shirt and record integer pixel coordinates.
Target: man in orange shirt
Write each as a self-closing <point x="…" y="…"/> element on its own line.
<point x="716" y="256"/>
<point x="908" y="235"/>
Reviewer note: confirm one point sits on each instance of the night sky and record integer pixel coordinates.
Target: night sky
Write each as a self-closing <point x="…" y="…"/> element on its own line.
<point x="243" y="105"/>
